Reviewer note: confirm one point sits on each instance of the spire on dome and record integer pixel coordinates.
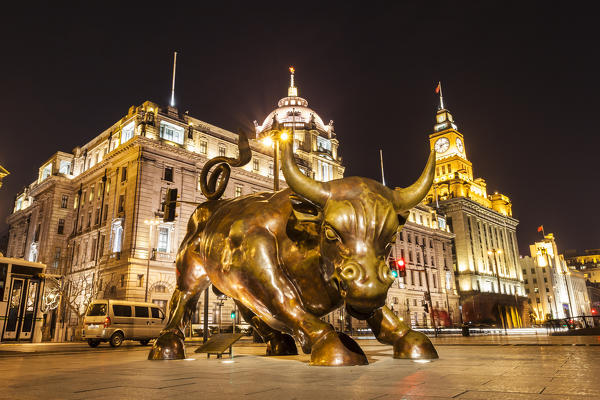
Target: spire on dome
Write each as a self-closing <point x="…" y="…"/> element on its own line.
<point x="292" y="90"/>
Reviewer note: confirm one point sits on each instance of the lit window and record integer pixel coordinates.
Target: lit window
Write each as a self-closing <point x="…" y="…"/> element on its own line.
<point x="171" y="132"/>
<point x="127" y="132"/>
<point x="65" y="167"/>
<point x="323" y="145"/>
<point x="117" y="235"/>
<point x="325" y="170"/>
<point x="203" y="147"/>
<point x="63" y="201"/>
<point x="47" y="171"/>
<point x="238" y="191"/>
<point x="163" y="239"/>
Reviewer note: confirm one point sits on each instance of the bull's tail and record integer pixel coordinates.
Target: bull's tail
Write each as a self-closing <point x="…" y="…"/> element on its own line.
<point x="214" y="186"/>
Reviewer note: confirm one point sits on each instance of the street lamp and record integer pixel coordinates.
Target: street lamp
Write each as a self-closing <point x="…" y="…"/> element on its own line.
<point x="151" y="223"/>
<point x="448" y="288"/>
<point x="273" y="138"/>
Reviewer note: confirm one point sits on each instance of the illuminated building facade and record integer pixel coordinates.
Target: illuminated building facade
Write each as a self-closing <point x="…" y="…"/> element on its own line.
<point x="588" y="263"/>
<point x="315" y="144"/>
<point x="95" y="215"/>
<point x="425" y="245"/>
<point x="554" y="290"/>
<point x="486" y="252"/>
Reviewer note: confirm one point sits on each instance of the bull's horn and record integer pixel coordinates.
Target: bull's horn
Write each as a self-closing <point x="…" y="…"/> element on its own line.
<point x="407" y="198"/>
<point x="310" y="189"/>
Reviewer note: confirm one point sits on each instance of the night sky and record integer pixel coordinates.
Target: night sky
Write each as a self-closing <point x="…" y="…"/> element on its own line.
<point x="521" y="81"/>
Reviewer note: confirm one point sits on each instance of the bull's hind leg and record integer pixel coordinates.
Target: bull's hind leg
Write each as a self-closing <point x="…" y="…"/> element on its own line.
<point x="278" y="343"/>
<point x="407" y="343"/>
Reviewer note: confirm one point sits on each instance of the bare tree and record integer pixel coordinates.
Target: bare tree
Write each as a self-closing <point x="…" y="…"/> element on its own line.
<point x="78" y="291"/>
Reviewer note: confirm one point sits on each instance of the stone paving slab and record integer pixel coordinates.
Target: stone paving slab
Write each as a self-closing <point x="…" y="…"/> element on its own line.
<point x="462" y="372"/>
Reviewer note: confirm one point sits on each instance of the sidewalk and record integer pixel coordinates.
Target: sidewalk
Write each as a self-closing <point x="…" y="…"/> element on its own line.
<point x="480" y="340"/>
<point x="479" y="371"/>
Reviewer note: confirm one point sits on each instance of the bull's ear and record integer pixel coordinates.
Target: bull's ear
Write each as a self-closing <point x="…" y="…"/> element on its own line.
<point x="403" y="217"/>
<point x="305" y="211"/>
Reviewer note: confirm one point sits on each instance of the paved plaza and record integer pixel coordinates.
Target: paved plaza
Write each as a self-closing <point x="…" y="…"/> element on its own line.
<point x="469" y="368"/>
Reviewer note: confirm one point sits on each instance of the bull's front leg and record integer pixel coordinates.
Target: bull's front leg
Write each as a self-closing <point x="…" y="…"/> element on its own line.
<point x="192" y="280"/>
<point x="407" y="343"/>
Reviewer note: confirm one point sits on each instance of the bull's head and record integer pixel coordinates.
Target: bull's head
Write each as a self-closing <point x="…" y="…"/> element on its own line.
<point x="357" y="220"/>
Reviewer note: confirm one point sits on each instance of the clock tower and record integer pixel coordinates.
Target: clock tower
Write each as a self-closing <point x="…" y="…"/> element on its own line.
<point x="487" y="269"/>
<point x="453" y="171"/>
<point x="449" y="144"/>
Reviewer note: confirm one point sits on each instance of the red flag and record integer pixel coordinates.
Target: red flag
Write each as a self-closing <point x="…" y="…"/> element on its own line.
<point x="438" y="88"/>
<point x="541" y="228"/>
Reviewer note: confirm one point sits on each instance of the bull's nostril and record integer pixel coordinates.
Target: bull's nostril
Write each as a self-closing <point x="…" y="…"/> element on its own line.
<point x="349" y="273"/>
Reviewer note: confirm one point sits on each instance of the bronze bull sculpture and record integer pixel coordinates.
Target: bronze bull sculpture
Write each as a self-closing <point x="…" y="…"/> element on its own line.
<point x="290" y="257"/>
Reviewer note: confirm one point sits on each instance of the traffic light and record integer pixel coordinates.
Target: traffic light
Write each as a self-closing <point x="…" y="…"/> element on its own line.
<point x="401" y="267"/>
<point x="393" y="267"/>
<point x="233" y="315"/>
<point x="170" y="205"/>
<point x="398" y="267"/>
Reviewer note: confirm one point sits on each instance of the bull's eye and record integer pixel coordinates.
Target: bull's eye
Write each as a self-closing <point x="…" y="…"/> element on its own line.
<point x="330" y="234"/>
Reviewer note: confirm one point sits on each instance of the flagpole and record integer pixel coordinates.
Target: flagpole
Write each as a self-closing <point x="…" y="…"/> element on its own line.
<point x="441" y="96"/>
<point x="173" y="83"/>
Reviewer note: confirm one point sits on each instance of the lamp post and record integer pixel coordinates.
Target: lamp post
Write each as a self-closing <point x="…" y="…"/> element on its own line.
<point x="497" y="267"/>
<point x="273" y="138"/>
<point x="448" y="287"/>
<point x="151" y="223"/>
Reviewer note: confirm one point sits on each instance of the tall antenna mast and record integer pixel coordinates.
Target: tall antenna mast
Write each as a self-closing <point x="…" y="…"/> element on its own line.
<point x="381" y="161"/>
<point x="173" y="85"/>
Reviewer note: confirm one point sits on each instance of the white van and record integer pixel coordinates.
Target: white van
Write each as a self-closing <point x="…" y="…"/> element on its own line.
<point x="116" y="320"/>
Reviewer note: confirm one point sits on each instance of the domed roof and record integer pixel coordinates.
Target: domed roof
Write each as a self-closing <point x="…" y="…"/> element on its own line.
<point x="293" y="109"/>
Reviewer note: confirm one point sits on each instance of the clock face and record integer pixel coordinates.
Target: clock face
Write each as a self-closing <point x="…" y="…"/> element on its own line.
<point x="459" y="145"/>
<point x="441" y="145"/>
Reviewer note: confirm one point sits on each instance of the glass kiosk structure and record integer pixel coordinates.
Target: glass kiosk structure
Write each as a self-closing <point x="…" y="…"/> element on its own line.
<point x="21" y="288"/>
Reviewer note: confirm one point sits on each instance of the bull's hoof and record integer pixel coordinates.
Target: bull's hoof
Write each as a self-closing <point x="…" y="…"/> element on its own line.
<point x="168" y="346"/>
<point x="415" y="346"/>
<point x="337" y="349"/>
<point x="282" y="345"/>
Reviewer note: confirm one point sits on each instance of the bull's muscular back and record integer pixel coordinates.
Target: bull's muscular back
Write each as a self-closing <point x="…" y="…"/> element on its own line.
<point x="233" y="230"/>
